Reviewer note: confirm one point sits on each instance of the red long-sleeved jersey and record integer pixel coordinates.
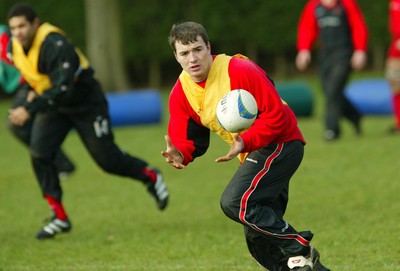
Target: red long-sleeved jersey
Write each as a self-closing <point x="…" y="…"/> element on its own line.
<point x="314" y="23"/>
<point x="275" y="123"/>
<point x="394" y="28"/>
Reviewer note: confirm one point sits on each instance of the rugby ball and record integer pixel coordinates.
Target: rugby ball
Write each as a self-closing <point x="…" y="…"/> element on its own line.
<point x="236" y="111"/>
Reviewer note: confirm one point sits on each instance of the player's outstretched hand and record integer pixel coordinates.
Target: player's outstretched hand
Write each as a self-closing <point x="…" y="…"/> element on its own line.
<point x="235" y="149"/>
<point x="172" y="155"/>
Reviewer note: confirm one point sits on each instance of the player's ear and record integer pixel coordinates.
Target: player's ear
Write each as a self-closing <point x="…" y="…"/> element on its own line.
<point x="36" y="23"/>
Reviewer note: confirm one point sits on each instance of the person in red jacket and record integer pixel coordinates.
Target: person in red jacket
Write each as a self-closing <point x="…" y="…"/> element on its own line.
<point x="393" y="61"/>
<point x="343" y="36"/>
<point x="270" y="151"/>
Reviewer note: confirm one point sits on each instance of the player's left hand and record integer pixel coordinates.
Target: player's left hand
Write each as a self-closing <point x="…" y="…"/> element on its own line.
<point x="234" y="151"/>
<point x="18" y="116"/>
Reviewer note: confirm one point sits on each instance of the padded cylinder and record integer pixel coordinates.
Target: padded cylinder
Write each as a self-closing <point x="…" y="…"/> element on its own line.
<point x="134" y="107"/>
<point x="370" y="96"/>
<point x="298" y="96"/>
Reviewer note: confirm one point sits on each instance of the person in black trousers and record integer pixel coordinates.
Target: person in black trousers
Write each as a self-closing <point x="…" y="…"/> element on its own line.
<point x="12" y="82"/>
<point x="269" y="152"/>
<point x="66" y="95"/>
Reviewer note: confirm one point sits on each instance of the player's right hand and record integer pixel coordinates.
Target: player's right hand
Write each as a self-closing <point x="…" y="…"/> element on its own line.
<point x="172" y="154"/>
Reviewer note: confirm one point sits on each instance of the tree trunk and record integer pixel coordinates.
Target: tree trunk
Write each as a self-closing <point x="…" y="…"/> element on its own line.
<point x="281" y="65"/>
<point x="104" y="43"/>
<point x="378" y="57"/>
<point x="155" y="73"/>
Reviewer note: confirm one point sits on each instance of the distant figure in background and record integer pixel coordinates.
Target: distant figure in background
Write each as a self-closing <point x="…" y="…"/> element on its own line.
<point x="65" y="95"/>
<point x="393" y="61"/>
<point x="11" y="81"/>
<point x="343" y="37"/>
<point x="10" y="78"/>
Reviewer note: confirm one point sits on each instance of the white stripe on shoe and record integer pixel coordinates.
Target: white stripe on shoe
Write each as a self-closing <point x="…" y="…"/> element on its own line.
<point x="56" y="226"/>
<point x="161" y="188"/>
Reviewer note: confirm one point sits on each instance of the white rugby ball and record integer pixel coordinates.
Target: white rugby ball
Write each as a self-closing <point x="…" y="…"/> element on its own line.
<point x="237" y="110"/>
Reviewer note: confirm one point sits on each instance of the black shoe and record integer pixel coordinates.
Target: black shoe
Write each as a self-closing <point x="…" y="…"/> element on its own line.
<point x="158" y="190"/>
<point x="54" y="227"/>
<point x="304" y="263"/>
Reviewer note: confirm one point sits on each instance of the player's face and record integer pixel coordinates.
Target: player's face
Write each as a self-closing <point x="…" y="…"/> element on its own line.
<point x="23" y="30"/>
<point x="195" y="58"/>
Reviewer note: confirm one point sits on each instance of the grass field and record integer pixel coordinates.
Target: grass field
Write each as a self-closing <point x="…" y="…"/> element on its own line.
<point x="346" y="192"/>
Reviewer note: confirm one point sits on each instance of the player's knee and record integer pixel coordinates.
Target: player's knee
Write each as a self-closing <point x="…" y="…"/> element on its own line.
<point x="40" y="158"/>
<point x="229" y="206"/>
<point x="35" y="155"/>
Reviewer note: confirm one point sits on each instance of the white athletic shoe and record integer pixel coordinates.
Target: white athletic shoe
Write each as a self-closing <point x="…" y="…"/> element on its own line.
<point x="158" y="190"/>
<point x="54" y="227"/>
<point x="301" y="263"/>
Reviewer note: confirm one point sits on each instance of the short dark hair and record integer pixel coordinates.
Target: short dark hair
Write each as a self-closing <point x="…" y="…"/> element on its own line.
<point x="22" y="9"/>
<point x="186" y="33"/>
